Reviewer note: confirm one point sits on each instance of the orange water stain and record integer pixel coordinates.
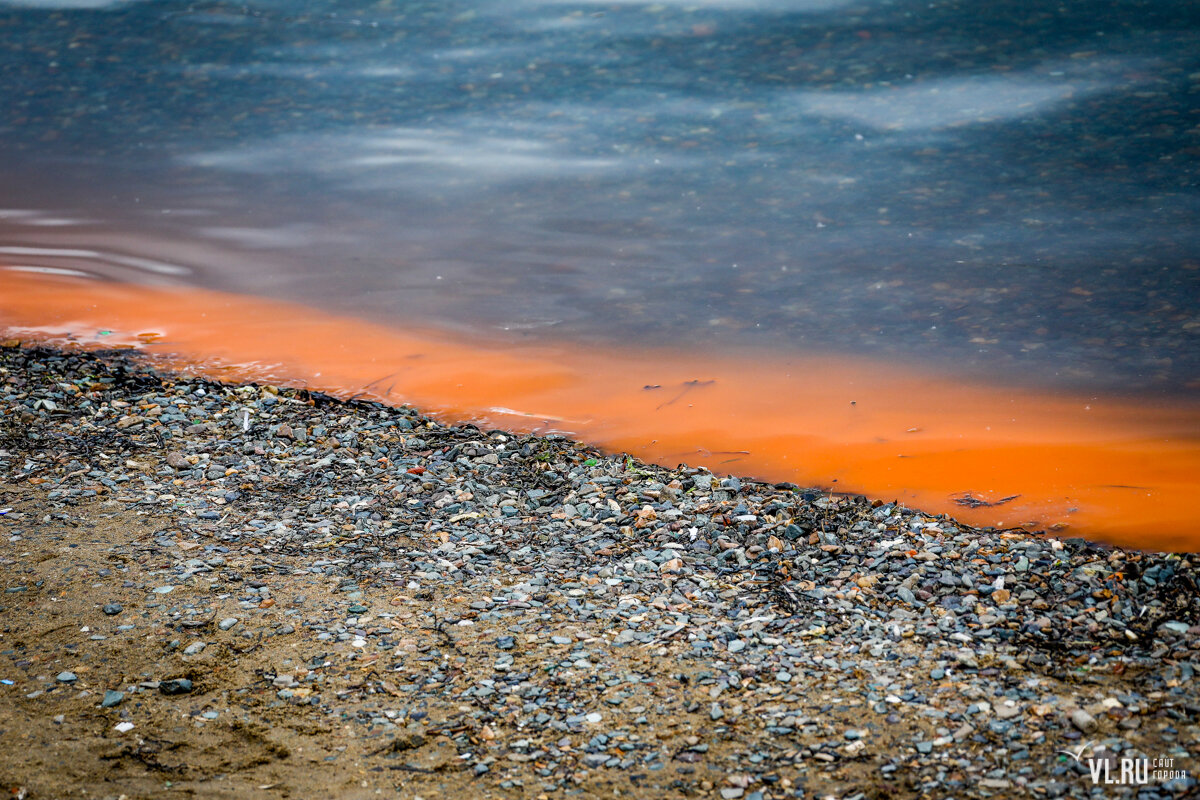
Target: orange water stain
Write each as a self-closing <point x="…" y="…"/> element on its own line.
<point x="1122" y="471"/>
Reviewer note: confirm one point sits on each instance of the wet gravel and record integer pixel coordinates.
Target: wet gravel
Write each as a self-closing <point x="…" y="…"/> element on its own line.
<point x="454" y="610"/>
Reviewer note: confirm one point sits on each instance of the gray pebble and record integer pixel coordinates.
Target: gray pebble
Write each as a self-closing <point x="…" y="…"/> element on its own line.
<point x="1083" y="720"/>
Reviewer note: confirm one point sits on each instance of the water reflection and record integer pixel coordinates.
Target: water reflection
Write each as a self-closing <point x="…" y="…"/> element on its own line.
<point x="400" y="157"/>
<point x="952" y="102"/>
<point x="1008" y="189"/>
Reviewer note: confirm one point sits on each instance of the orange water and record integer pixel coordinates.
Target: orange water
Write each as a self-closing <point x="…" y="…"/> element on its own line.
<point x="1122" y="471"/>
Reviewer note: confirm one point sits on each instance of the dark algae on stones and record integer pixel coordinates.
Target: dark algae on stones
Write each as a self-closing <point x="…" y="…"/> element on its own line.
<point x="264" y="592"/>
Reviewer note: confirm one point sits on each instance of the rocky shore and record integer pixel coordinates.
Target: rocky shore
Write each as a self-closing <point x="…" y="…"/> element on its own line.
<point x="252" y="591"/>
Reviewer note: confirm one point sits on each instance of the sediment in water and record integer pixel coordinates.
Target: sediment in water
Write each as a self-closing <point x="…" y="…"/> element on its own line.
<point x="1124" y="471"/>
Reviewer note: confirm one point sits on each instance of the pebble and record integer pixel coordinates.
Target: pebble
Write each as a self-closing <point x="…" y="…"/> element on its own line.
<point x="175" y="686"/>
<point x="1083" y="720"/>
<point x="1007" y="710"/>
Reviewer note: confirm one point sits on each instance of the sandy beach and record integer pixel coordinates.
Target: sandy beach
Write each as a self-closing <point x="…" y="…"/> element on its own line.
<point x="255" y="591"/>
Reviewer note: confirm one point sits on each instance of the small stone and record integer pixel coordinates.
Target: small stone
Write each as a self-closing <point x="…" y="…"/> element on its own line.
<point x="855" y="747"/>
<point x="112" y="698"/>
<point x="937" y="674"/>
<point x="66" y="677"/>
<point x="1008" y="710"/>
<point x="112" y="609"/>
<point x="1083" y="720"/>
<point x="925" y="748"/>
<point x="737" y="646"/>
<point x="194" y="648"/>
<point x="967" y="659"/>
<point x="177" y="460"/>
<point x="410" y="738"/>
<point x="732" y="792"/>
<point x="175" y="686"/>
<point x="227" y="623"/>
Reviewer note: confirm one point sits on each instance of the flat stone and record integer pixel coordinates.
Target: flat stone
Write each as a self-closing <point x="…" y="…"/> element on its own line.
<point x="1008" y="710"/>
<point x="175" y="686"/>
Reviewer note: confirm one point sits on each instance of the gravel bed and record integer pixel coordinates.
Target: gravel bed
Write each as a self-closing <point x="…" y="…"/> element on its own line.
<point x="367" y="601"/>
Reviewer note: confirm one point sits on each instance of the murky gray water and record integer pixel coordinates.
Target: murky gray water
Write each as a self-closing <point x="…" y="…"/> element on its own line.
<point x="1009" y="188"/>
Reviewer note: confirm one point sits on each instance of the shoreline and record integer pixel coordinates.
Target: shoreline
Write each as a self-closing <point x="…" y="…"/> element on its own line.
<point x="1113" y="470"/>
<point x="295" y="592"/>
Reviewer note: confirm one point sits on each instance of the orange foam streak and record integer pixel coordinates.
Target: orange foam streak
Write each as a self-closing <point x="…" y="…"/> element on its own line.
<point x="1120" y="471"/>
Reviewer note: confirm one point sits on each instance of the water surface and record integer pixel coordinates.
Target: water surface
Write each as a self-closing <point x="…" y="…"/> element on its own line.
<point x="1003" y="188"/>
<point x="1125" y="472"/>
<point x="998" y="194"/>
